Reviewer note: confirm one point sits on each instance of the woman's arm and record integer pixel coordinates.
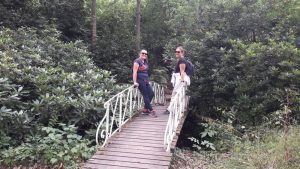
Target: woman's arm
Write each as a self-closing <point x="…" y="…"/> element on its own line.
<point x="134" y="75"/>
<point x="182" y="68"/>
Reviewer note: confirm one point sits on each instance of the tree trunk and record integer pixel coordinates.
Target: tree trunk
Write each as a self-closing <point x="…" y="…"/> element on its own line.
<point x="253" y="36"/>
<point x="94" y="18"/>
<point x="138" y="25"/>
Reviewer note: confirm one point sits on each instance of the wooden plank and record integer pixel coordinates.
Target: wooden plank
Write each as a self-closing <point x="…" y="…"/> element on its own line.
<point x="136" y="151"/>
<point x="144" y="131"/>
<point x="137" y="140"/>
<point x="140" y="138"/>
<point x="143" y="134"/>
<point x="138" y="147"/>
<point x="160" y="114"/>
<point x="152" y="119"/>
<point x="145" y="127"/>
<point x="146" y="144"/>
<point x="99" y="166"/>
<point x="128" y="164"/>
<point x="148" y="135"/>
<point x="130" y="159"/>
<point x="141" y="125"/>
<point x="137" y="124"/>
<point x="134" y="155"/>
<point x="159" y="117"/>
<point x="149" y="122"/>
<point x="149" y="125"/>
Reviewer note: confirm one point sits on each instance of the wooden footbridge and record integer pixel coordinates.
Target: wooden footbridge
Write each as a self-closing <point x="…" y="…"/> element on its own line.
<point x="128" y="139"/>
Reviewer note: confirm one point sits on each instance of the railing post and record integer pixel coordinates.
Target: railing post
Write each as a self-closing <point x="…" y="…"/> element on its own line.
<point x="120" y="112"/>
<point x="107" y="123"/>
<point x="130" y="102"/>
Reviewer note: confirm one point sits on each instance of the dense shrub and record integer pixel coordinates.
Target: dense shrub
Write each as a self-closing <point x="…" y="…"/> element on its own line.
<point x="70" y="149"/>
<point x="260" y="148"/>
<point x="254" y="79"/>
<point x="44" y="82"/>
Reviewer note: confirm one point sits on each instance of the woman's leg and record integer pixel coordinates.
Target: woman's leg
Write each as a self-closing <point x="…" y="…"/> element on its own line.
<point x="150" y="92"/>
<point x="145" y="93"/>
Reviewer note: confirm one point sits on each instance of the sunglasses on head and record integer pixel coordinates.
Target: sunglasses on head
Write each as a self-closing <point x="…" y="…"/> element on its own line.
<point x="144" y="53"/>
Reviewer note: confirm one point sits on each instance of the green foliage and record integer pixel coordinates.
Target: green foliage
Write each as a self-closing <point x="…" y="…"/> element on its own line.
<point x="184" y="158"/>
<point x="262" y="148"/>
<point x="260" y="74"/>
<point x="267" y="152"/>
<point x="160" y="75"/>
<point x="217" y="135"/>
<point x="53" y="147"/>
<point x="155" y="30"/>
<point x="46" y="81"/>
<point x="243" y="59"/>
<point x="246" y="55"/>
<point x="15" y="14"/>
<point x="67" y="16"/>
<point x="14" y="118"/>
<point x="114" y="47"/>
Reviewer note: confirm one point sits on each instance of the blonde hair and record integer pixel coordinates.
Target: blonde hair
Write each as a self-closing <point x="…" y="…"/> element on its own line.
<point x="181" y="49"/>
<point x="143" y="50"/>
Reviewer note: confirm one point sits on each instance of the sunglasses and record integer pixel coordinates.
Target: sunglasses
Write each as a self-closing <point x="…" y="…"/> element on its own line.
<point x="177" y="51"/>
<point x="145" y="54"/>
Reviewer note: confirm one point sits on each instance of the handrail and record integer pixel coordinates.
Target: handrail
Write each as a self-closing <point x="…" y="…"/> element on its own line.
<point x="122" y="107"/>
<point x="178" y="106"/>
<point x="159" y="93"/>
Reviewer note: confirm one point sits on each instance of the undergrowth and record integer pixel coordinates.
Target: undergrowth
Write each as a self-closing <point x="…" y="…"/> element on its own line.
<point x="263" y="150"/>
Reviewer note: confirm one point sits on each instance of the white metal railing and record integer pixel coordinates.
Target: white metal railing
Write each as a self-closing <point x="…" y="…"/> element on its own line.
<point x="159" y="93"/>
<point x="121" y="108"/>
<point x="178" y="106"/>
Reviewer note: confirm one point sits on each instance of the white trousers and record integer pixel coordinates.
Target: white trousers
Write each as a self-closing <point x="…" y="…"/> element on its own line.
<point x="176" y="81"/>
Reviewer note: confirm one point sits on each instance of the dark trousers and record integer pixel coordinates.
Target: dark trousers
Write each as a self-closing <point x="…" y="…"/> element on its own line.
<point x="147" y="93"/>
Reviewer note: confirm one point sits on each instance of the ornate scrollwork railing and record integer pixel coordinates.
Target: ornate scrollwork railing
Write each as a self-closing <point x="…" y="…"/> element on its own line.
<point x="121" y="108"/>
<point x="178" y="106"/>
<point x="159" y="93"/>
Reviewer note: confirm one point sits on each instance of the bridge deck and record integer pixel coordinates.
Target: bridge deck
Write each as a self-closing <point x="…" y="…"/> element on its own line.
<point x="138" y="145"/>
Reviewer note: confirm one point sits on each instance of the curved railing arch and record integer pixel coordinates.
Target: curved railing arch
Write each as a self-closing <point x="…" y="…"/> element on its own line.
<point x="178" y="106"/>
<point x="121" y="108"/>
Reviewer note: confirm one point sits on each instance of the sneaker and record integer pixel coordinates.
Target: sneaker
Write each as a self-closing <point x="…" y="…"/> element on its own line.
<point x="166" y="112"/>
<point x="152" y="113"/>
<point x="145" y="111"/>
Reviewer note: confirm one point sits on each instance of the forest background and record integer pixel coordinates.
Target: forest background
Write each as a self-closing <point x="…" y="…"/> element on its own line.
<point x="60" y="60"/>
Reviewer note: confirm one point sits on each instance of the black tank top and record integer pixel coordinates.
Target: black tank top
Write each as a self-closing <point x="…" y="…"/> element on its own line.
<point x="180" y="61"/>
